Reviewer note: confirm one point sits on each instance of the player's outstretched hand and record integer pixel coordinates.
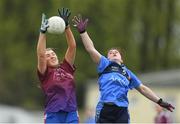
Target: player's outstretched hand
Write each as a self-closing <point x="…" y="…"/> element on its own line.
<point x="79" y="23"/>
<point x="44" y="24"/>
<point x="166" y="105"/>
<point x="65" y="13"/>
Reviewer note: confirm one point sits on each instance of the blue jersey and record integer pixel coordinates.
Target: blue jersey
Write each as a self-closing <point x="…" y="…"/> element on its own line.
<point x="114" y="86"/>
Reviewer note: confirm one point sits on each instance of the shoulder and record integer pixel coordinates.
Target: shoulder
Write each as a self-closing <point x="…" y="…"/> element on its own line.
<point x="67" y="66"/>
<point x="103" y="63"/>
<point x="104" y="60"/>
<point x="44" y="76"/>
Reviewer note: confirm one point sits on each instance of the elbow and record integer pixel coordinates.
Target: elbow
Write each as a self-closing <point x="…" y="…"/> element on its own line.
<point x="72" y="46"/>
<point x="41" y="54"/>
<point x="90" y="49"/>
<point x="142" y="89"/>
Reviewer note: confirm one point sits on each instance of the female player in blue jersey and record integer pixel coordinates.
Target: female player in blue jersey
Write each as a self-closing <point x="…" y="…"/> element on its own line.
<point x="57" y="78"/>
<point x="115" y="80"/>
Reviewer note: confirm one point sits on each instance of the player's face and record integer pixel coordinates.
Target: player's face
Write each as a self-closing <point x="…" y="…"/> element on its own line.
<point x="51" y="58"/>
<point x="114" y="55"/>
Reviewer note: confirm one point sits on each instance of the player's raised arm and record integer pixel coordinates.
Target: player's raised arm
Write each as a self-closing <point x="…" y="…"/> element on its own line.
<point x="71" y="50"/>
<point x="147" y="92"/>
<point x="41" y="46"/>
<point x="88" y="43"/>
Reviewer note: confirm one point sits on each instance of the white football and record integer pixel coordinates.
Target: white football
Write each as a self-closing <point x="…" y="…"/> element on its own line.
<point x="56" y="25"/>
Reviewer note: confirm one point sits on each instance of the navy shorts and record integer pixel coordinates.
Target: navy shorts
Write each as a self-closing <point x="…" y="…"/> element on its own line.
<point x="61" y="117"/>
<point x="113" y="114"/>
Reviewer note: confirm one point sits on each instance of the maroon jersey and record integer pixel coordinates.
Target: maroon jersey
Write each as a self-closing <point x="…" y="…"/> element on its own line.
<point x="59" y="88"/>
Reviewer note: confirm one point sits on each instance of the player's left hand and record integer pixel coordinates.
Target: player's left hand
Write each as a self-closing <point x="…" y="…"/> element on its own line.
<point x="79" y="23"/>
<point x="165" y="105"/>
<point x="65" y="13"/>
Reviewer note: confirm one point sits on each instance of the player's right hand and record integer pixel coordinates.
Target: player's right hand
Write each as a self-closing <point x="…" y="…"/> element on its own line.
<point x="44" y="24"/>
<point x="166" y="105"/>
<point x="79" y="23"/>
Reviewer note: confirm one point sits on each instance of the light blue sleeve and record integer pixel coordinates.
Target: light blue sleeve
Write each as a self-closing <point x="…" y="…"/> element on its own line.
<point x="104" y="62"/>
<point x="135" y="81"/>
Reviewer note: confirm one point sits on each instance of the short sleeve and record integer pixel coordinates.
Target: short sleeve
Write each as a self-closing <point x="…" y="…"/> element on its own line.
<point x="66" y="66"/>
<point x="135" y="81"/>
<point x="42" y="76"/>
<point x="104" y="62"/>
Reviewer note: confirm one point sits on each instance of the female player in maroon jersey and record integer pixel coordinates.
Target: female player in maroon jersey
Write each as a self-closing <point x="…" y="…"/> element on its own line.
<point x="57" y="79"/>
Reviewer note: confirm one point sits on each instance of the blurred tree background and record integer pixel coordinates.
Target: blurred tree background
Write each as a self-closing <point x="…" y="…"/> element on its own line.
<point x="147" y="31"/>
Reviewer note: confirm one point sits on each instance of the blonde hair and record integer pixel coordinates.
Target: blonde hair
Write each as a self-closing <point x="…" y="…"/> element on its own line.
<point x="47" y="49"/>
